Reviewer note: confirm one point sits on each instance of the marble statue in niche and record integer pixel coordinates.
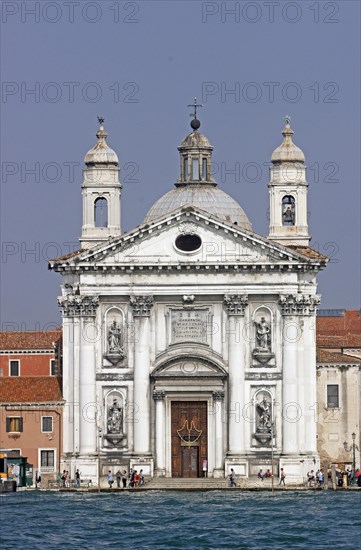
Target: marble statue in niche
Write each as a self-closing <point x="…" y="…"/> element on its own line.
<point x="115" y="418"/>
<point x="115" y="338"/>
<point x="263" y="335"/>
<point x="264" y="416"/>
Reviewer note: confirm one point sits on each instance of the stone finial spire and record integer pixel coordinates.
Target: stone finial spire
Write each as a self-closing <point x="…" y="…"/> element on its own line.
<point x="101" y="133"/>
<point x="287" y="151"/>
<point x="101" y="154"/>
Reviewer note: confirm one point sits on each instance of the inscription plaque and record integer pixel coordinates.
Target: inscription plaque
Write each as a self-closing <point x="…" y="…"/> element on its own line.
<point x="189" y="326"/>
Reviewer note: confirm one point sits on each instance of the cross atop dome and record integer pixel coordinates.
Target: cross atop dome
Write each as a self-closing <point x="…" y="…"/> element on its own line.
<point x="195" y="123"/>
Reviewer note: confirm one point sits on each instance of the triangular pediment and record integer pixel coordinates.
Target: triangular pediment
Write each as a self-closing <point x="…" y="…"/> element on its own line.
<point x="157" y="245"/>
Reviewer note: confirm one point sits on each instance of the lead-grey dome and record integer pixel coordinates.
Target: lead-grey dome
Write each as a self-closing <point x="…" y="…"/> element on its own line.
<point x="203" y="197"/>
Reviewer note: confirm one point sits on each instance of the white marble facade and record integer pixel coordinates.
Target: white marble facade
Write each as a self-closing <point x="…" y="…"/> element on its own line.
<point x="191" y="305"/>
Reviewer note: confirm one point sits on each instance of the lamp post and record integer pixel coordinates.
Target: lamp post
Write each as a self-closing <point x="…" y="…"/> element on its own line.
<point x="99" y="440"/>
<point x="352" y="447"/>
<point x="272" y="480"/>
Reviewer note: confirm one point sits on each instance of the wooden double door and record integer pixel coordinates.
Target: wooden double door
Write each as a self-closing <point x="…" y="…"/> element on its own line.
<point x="189" y="438"/>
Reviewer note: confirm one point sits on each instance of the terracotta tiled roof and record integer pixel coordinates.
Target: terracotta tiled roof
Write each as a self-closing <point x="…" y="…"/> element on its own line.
<point x="68" y="256"/>
<point x="30" y="389"/>
<point x="28" y="340"/>
<point x="307" y="251"/>
<point x="347" y="341"/>
<point x="324" y="356"/>
<point x="348" y="323"/>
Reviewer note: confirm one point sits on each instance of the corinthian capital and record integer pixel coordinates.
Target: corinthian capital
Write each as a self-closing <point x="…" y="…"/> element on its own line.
<point x="235" y="303"/>
<point x="158" y="395"/>
<point x="141" y="305"/>
<point x="299" y="304"/>
<point x="78" y="306"/>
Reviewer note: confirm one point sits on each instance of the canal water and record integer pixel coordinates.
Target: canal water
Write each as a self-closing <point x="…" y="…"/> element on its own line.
<point x="171" y="520"/>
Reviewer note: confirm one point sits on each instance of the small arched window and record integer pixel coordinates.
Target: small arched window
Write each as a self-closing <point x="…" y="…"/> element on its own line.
<point x="288" y="210"/>
<point x="101" y="212"/>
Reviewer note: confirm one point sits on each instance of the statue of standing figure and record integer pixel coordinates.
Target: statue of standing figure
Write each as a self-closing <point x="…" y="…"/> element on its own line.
<point x="264" y="409"/>
<point x="114" y="338"/>
<point x="115" y="418"/>
<point x="263" y="335"/>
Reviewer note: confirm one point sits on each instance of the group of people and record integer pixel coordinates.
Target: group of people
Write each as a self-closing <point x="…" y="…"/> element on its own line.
<point x="65" y="479"/>
<point x="347" y="477"/>
<point x="135" y="479"/>
<point x="262" y="475"/>
<point x="315" y="478"/>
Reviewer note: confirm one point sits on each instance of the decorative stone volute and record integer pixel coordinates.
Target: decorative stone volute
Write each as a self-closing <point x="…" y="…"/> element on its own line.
<point x="78" y="306"/>
<point x="236" y="303"/>
<point x="141" y="305"/>
<point x="299" y="304"/>
<point x="158" y="395"/>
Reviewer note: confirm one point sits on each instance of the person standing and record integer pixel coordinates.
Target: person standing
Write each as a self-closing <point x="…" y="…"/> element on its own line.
<point x="282" y="477"/>
<point x="77" y="479"/>
<point x="136" y="479"/>
<point x="38" y="480"/>
<point x="320" y="478"/>
<point x="232" y="479"/>
<point x="131" y="477"/>
<point x="110" y="479"/>
<point x="118" y="476"/>
<point x="124" y="479"/>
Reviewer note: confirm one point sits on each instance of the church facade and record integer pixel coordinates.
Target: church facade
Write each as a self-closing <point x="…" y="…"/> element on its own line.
<point x="189" y="342"/>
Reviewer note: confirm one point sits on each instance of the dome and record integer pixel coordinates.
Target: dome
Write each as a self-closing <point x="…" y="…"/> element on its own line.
<point x="287" y="151"/>
<point x="195" y="139"/>
<point x="101" y="153"/>
<point x="203" y="197"/>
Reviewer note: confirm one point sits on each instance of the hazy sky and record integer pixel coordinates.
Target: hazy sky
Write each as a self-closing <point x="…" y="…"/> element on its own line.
<point x="139" y="64"/>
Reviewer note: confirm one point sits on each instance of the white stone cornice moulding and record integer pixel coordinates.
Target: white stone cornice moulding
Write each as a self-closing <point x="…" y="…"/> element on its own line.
<point x="78" y="306"/>
<point x="299" y="304"/>
<point x="141" y="305"/>
<point x="236" y="303"/>
<point x="199" y="266"/>
<point x="32" y="405"/>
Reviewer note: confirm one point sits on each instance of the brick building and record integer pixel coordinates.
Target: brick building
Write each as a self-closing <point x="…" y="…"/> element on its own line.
<point x="31" y="398"/>
<point x="338" y="407"/>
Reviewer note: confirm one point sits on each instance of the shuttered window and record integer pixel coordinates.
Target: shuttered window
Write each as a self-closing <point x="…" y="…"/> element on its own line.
<point x="14" y="424"/>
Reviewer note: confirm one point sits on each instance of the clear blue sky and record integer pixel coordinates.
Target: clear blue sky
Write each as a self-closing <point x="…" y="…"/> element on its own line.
<point x="139" y="64"/>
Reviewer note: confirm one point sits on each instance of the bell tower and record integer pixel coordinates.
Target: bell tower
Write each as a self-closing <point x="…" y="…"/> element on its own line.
<point x="288" y="193"/>
<point x="101" y="191"/>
